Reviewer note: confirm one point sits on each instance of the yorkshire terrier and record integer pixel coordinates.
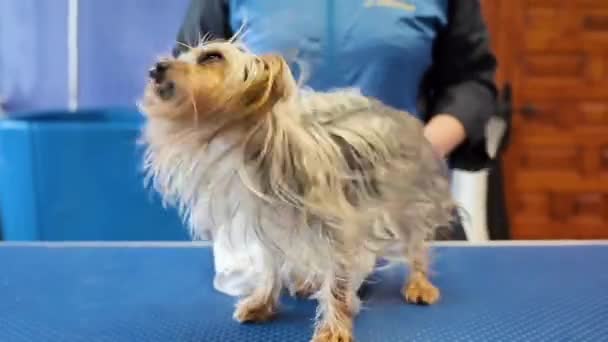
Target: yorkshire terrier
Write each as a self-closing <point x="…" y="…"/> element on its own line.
<point x="325" y="182"/>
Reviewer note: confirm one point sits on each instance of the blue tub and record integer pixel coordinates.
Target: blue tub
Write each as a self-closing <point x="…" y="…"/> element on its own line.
<point x="78" y="176"/>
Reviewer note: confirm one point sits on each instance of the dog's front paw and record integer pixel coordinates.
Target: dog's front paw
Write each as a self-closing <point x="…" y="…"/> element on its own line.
<point x="253" y="310"/>
<point x="419" y="290"/>
<point x="327" y="334"/>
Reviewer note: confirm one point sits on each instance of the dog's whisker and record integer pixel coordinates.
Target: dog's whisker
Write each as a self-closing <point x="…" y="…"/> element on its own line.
<point x="240" y="31"/>
<point x="244" y="35"/>
<point x="204" y="38"/>
<point x="184" y="45"/>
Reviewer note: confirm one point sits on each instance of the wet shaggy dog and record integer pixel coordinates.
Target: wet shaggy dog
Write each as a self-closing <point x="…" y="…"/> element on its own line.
<point x="324" y="182"/>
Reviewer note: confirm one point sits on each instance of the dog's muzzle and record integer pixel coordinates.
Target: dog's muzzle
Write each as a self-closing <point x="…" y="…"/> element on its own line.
<point x="164" y="88"/>
<point x="159" y="71"/>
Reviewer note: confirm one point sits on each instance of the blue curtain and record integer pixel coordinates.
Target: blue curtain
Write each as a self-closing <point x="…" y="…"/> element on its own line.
<point x="33" y="70"/>
<point x="118" y="39"/>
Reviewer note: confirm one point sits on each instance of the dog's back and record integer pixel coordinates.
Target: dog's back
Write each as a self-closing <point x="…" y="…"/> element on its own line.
<point x="407" y="180"/>
<point x="360" y="165"/>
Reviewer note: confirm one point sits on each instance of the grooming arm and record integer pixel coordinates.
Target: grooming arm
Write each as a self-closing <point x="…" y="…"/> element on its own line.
<point x="462" y="87"/>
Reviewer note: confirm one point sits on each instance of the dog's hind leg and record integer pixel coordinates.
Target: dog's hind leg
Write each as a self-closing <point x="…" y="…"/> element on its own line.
<point x="418" y="288"/>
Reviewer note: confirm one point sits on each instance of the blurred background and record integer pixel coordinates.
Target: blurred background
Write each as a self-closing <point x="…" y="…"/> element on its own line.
<point x="71" y="72"/>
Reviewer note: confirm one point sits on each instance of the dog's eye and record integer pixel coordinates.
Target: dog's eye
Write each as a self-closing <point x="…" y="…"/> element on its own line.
<point x="210" y="57"/>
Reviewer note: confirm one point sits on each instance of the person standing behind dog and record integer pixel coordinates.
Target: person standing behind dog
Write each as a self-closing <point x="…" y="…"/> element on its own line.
<point x="431" y="58"/>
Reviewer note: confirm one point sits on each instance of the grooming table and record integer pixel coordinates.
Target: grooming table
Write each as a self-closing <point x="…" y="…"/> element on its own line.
<point x="149" y="292"/>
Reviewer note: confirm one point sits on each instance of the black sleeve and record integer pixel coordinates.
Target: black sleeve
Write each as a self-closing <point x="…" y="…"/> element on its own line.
<point x="461" y="80"/>
<point x="203" y="17"/>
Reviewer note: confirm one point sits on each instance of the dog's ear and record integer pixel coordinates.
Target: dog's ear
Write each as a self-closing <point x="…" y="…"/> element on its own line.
<point x="274" y="84"/>
<point x="283" y="83"/>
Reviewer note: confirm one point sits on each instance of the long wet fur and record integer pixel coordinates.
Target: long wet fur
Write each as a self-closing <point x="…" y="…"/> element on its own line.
<point x="324" y="182"/>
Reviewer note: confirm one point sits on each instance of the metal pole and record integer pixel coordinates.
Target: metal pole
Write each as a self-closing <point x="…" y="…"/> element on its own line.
<point x="72" y="55"/>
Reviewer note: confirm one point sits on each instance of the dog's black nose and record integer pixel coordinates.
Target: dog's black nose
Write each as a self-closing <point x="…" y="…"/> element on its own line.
<point x="157" y="73"/>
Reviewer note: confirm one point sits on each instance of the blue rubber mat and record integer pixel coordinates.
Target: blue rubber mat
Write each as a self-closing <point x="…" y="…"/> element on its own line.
<point x="166" y="294"/>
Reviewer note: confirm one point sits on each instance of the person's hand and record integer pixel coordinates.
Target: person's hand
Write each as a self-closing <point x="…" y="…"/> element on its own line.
<point x="445" y="133"/>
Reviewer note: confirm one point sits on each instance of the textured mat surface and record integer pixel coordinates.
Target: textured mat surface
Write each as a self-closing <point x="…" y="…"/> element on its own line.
<point x="166" y="294"/>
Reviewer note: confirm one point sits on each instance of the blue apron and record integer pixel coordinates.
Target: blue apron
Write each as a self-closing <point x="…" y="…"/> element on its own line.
<point x="382" y="47"/>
